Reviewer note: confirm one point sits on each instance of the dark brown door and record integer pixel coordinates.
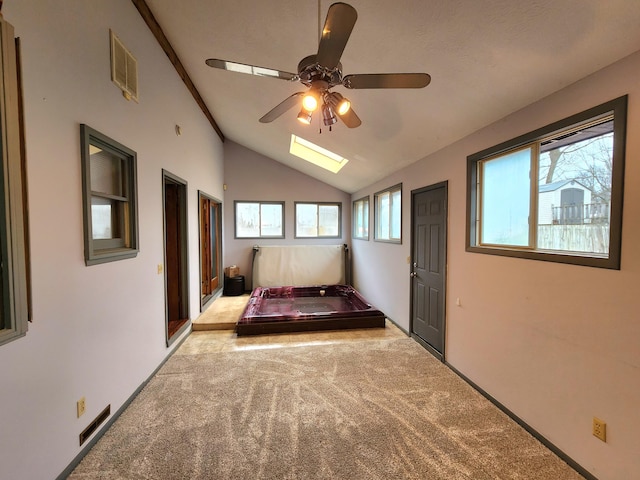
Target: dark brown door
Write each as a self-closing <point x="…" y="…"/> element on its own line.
<point x="210" y="245"/>
<point x="176" y="271"/>
<point x="428" y="272"/>
<point x="172" y="206"/>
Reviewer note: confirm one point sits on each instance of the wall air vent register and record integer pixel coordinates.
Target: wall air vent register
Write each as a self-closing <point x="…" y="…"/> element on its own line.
<point x="124" y="68"/>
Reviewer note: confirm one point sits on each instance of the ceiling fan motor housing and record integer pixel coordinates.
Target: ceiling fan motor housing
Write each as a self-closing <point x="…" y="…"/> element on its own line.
<point x="311" y="73"/>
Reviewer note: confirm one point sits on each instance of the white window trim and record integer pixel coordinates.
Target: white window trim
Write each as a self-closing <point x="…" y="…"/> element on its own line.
<point x="365" y="219"/>
<point x="376" y="228"/>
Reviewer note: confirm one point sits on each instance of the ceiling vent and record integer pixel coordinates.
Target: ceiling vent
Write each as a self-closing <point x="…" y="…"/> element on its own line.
<point x="124" y="68"/>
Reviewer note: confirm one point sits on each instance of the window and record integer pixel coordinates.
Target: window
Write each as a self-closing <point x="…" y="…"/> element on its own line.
<point x="554" y="194"/>
<point x="14" y="235"/>
<point x="318" y="220"/>
<point x="259" y="219"/>
<point x="110" y="199"/>
<point x="361" y="218"/>
<point x="388" y="215"/>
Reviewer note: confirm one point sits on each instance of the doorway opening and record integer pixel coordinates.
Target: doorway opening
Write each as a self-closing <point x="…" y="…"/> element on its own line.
<point x="429" y="261"/>
<point x="210" y="247"/>
<point x="174" y="192"/>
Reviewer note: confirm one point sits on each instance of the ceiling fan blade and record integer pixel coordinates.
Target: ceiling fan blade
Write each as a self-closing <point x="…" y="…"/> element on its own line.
<point x="350" y="119"/>
<point x="282" y="107"/>
<point x="387" y="80"/>
<point x="337" y="28"/>
<point x="250" y="69"/>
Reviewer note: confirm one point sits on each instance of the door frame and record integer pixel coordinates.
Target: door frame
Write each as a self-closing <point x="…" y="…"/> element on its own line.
<point x="432" y="350"/>
<point x="183" y="277"/>
<point x="206" y="299"/>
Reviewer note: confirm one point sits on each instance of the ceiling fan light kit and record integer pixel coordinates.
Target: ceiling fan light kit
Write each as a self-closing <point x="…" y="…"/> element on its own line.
<point x="311" y="100"/>
<point x="340" y="104"/>
<point x="328" y="117"/>
<point x="323" y="71"/>
<point x="304" y="117"/>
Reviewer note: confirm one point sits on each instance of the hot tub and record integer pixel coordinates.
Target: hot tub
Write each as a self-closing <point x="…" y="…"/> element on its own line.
<point x="295" y="309"/>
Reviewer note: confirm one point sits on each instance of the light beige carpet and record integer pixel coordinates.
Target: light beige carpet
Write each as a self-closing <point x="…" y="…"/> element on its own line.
<point x="374" y="409"/>
<point x="222" y="314"/>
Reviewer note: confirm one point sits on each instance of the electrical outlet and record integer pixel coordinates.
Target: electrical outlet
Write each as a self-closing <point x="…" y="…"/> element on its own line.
<point x="599" y="429"/>
<point x="82" y="406"/>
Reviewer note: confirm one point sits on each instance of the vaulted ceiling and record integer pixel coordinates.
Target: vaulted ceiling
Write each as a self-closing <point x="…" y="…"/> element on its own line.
<point x="486" y="59"/>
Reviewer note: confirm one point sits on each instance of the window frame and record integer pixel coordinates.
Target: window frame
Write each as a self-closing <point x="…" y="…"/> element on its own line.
<point x="618" y="109"/>
<point x="259" y="203"/>
<point x="365" y="218"/>
<point x="97" y="251"/>
<point x="376" y="214"/>
<point x="318" y="205"/>
<point x="15" y="274"/>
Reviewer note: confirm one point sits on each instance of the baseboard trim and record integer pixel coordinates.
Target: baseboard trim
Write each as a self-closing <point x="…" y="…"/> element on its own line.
<point x="568" y="460"/>
<point x="428" y="347"/>
<point x="78" y="458"/>
<point x="399" y="327"/>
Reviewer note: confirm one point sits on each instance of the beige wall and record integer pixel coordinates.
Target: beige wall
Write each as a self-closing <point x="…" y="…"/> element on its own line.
<point x="556" y="344"/>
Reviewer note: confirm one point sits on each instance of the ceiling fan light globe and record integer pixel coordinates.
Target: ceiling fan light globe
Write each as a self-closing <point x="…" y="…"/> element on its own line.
<point x="339" y="104"/>
<point x="309" y="102"/>
<point x="343" y="107"/>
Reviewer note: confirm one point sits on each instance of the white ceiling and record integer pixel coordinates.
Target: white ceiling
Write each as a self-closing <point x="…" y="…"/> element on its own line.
<point x="486" y="59"/>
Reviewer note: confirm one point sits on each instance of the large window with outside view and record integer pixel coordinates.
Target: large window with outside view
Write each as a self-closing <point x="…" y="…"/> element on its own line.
<point x="259" y="219"/>
<point x="388" y="215"/>
<point x="554" y="194"/>
<point x="318" y="220"/>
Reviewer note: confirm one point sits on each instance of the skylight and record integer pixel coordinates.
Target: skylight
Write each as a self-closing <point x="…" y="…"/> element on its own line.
<point x="317" y="155"/>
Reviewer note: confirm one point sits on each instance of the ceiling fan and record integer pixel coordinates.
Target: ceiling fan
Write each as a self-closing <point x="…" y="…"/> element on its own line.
<point x="323" y="71"/>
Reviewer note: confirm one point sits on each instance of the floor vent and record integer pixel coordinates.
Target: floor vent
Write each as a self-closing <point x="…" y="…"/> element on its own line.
<point x="124" y="68"/>
<point x="86" y="433"/>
